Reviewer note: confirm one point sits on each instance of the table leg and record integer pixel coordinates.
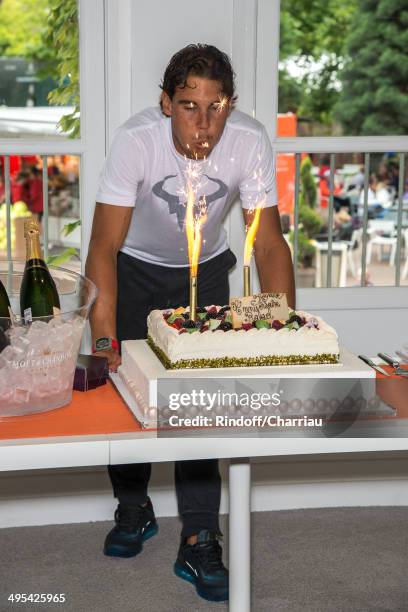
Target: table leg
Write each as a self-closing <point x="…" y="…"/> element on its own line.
<point x="240" y="535"/>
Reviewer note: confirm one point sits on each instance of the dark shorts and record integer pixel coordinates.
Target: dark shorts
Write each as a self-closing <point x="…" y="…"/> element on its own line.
<point x="143" y="287"/>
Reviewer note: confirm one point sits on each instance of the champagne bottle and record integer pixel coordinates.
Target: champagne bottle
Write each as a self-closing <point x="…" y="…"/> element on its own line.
<point x="38" y="292"/>
<point x="5" y="317"/>
<point x="5" y="307"/>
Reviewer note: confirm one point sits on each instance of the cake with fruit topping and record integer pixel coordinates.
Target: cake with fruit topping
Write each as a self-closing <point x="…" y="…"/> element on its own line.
<point x="212" y="342"/>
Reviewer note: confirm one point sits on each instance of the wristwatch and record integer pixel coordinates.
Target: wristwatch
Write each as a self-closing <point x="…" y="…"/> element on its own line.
<point x="105" y="344"/>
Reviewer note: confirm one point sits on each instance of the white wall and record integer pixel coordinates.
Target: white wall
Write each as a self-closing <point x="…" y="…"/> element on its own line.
<point x="45" y="497"/>
<point x="161" y="28"/>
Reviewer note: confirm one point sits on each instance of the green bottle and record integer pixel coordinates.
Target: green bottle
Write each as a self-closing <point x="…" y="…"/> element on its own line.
<point x="5" y="316"/>
<point x="38" y="292"/>
<point x="5" y="307"/>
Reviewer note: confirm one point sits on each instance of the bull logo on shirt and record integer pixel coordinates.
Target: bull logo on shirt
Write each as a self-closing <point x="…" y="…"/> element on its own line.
<point x="178" y="207"/>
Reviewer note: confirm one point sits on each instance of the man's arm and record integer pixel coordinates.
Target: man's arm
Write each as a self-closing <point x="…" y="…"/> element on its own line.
<point x="272" y="255"/>
<point x="109" y="229"/>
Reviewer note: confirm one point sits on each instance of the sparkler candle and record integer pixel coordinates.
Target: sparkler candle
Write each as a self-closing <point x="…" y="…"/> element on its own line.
<point x="194" y="223"/>
<point x="249" y="243"/>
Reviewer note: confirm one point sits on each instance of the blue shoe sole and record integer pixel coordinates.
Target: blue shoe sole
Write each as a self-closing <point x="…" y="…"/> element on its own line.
<point x="208" y="594"/>
<point x="121" y="551"/>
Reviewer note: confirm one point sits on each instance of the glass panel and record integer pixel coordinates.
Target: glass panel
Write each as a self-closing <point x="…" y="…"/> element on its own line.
<point x="26" y="193"/>
<point x="342" y="68"/>
<point x="348" y="208"/>
<point x="39" y="69"/>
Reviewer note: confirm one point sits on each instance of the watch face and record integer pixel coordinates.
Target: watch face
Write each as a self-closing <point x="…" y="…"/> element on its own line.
<point x="103" y="344"/>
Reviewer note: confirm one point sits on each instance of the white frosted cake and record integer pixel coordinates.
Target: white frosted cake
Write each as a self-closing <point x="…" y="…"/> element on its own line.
<point x="212" y="342"/>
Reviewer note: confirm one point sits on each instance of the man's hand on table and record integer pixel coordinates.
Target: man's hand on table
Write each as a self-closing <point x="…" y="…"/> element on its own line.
<point x="113" y="357"/>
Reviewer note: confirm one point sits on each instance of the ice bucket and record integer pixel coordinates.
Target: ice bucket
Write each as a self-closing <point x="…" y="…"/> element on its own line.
<point x="37" y="360"/>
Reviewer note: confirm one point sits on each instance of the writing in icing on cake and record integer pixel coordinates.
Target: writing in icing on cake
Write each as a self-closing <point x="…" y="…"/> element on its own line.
<point x="261" y="306"/>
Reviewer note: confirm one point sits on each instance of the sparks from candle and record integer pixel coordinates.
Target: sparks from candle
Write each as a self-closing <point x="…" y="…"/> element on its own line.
<point x="194" y="219"/>
<point x="222" y="103"/>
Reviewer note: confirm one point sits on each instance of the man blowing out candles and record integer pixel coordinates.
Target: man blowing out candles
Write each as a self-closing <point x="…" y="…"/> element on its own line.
<point x="139" y="261"/>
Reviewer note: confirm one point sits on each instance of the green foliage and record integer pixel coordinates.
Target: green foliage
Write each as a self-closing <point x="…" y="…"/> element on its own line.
<point x="310" y="28"/>
<point x="67" y="254"/>
<point x="64" y="257"/>
<point x="306" y="248"/>
<point x="70" y="227"/>
<point x="290" y="93"/>
<point x="310" y="220"/>
<point x="313" y="32"/>
<point x="308" y="191"/>
<point x="22" y="25"/>
<point x="62" y="35"/>
<point x="374" y="99"/>
<point x="46" y="31"/>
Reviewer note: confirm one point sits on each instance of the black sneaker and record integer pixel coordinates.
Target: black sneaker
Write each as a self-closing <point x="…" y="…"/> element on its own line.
<point x="134" y="525"/>
<point x="201" y="564"/>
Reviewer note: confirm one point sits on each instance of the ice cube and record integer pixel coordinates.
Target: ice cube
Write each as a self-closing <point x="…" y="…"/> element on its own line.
<point x="8" y="354"/>
<point x="24" y="378"/>
<point x="55" y="322"/>
<point x="54" y="386"/>
<point x="41" y="385"/>
<point x="16" y="331"/>
<point x="21" y="396"/>
<point x="40" y="326"/>
<point x="6" y="394"/>
<point x="4" y="339"/>
<point x="21" y="342"/>
<point x="18" y="351"/>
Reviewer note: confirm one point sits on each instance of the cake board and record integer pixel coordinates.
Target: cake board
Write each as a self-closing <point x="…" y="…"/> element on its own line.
<point x="349" y="366"/>
<point x="145" y="420"/>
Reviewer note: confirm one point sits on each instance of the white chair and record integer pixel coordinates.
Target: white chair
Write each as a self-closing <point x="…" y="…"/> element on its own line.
<point x="353" y="244"/>
<point x="339" y="264"/>
<point x="404" y="273"/>
<point x="377" y="228"/>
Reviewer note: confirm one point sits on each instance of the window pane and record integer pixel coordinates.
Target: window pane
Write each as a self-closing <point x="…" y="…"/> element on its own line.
<point x="382" y="232"/>
<point x="26" y="194"/>
<point x="343" y="67"/>
<point x="39" y="69"/>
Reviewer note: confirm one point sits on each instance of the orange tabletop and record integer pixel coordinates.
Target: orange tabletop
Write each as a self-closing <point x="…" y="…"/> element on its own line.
<point x="393" y="390"/>
<point x="99" y="411"/>
<point x="103" y="411"/>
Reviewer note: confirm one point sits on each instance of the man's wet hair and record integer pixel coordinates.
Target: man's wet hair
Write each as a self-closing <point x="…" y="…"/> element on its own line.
<point x="200" y="60"/>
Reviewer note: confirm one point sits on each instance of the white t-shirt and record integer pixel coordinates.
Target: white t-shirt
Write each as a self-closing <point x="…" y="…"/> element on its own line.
<point x="145" y="171"/>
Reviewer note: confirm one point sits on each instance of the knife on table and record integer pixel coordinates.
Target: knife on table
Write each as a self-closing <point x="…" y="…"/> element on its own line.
<point x="394" y="363"/>
<point x="371" y="363"/>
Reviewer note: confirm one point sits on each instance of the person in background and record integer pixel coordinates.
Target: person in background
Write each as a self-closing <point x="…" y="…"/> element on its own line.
<point x="357" y="181"/>
<point x="19" y="187"/>
<point x="35" y="192"/>
<point x="340" y="199"/>
<point x="393" y="174"/>
<point x="377" y="199"/>
<point x="385" y="191"/>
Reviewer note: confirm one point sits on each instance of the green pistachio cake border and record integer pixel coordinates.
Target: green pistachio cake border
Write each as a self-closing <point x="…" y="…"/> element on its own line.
<point x="241" y="362"/>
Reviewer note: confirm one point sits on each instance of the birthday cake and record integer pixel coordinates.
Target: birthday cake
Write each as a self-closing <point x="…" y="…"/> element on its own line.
<point x="213" y="342"/>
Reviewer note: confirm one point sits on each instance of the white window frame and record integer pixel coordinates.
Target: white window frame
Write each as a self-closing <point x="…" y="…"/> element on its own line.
<point x="91" y="146"/>
<point x="262" y="25"/>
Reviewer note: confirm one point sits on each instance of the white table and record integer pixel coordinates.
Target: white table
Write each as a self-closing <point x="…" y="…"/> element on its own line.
<point x="73" y="451"/>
